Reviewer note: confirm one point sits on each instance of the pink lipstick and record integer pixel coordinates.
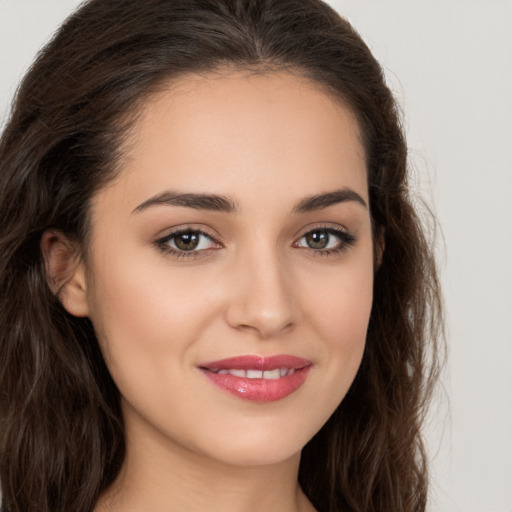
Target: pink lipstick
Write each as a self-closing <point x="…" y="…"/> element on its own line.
<point x="258" y="378"/>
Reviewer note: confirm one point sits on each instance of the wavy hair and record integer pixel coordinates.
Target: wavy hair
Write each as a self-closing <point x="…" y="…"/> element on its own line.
<point x="61" y="428"/>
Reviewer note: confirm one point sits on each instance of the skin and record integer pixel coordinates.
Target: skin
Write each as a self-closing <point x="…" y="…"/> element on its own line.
<point x="266" y="142"/>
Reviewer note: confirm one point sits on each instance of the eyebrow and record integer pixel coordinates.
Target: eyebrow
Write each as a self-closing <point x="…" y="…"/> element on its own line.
<point x="210" y="202"/>
<point x="321" y="201"/>
<point x="219" y="203"/>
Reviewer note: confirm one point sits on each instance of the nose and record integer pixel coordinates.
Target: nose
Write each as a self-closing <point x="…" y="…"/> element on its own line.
<point x="263" y="301"/>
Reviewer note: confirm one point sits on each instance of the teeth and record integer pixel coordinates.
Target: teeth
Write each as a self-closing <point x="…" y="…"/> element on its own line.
<point x="271" y="374"/>
<point x="259" y="374"/>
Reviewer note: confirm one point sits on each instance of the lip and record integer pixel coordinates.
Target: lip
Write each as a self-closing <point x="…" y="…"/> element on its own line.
<point x="258" y="389"/>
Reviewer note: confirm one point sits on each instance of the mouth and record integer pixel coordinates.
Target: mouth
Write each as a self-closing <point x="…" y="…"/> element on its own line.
<point x="258" y="378"/>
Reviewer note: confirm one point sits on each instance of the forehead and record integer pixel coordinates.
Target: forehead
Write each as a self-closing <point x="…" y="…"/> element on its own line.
<point x="227" y="133"/>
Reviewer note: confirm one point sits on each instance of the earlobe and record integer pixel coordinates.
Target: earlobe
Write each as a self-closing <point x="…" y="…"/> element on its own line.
<point x="65" y="272"/>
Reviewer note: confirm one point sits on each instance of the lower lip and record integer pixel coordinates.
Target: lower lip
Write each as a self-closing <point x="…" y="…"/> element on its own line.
<point x="259" y="390"/>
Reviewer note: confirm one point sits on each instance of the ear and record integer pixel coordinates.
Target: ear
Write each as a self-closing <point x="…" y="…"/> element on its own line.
<point x="65" y="272"/>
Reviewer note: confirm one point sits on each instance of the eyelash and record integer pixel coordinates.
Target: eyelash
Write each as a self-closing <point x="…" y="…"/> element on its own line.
<point x="346" y="240"/>
<point x="162" y="243"/>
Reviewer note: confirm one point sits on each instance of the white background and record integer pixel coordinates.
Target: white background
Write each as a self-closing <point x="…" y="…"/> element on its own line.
<point x="449" y="63"/>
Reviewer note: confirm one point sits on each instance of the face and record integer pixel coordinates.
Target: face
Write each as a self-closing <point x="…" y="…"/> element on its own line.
<point x="230" y="267"/>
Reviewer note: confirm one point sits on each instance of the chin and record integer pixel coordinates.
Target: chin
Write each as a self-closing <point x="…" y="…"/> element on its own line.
<point x="259" y="446"/>
<point x="252" y="456"/>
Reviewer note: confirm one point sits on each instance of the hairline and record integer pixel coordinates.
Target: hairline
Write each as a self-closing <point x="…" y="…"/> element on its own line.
<point x="126" y="122"/>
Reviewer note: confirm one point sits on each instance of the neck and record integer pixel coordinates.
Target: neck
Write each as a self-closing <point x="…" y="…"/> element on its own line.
<point x="162" y="476"/>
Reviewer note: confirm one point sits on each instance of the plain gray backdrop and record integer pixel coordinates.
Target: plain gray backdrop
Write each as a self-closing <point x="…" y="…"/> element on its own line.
<point x="449" y="63"/>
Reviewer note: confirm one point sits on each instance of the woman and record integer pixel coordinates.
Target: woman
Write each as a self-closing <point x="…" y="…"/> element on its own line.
<point x="215" y="290"/>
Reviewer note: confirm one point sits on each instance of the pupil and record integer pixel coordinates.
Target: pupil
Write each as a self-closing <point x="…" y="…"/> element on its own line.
<point x="317" y="239"/>
<point x="187" y="241"/>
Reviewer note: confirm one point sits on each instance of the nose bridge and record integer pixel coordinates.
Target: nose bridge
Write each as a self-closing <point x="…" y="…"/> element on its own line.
<point x="264" y="301"/>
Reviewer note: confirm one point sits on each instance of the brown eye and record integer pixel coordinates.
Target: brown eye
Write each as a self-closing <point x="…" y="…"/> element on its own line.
<point x="318" y="239"/>
<point x="187" y="241"/>
<point x="326" y="240"/>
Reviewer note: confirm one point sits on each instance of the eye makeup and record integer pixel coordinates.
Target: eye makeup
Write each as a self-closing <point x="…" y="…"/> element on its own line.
<point x="187" y="242"/>
<point x="191" y="242"/>
<point x="326" y="240"/>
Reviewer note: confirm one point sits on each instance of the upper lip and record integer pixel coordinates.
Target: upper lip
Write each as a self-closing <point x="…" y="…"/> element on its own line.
<point x="256" y="362"/>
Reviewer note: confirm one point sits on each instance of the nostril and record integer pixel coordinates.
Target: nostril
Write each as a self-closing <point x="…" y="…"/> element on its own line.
<point x="265" y="330"/>
<point x="261" y="302"/>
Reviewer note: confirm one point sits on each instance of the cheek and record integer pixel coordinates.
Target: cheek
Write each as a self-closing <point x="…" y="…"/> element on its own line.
<point x="141" y="314"/>
<point x="346" y="316"/>
<point x="342" y="306"/>
<point x="147" y="322"/>
<point x="340" y="315"/>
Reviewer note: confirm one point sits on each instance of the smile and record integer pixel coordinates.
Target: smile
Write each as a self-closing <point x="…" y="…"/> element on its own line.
<point x="257" y="378"/>
<point x="258" y="374"/>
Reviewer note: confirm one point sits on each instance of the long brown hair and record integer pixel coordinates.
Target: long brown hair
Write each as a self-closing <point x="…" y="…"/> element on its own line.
<point x="61" y="429"/>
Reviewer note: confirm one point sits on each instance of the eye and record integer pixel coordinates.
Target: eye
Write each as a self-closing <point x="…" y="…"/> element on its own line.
<point x="326" y="240"/>
<point x="190" y="241"/>
<point x="186" y="242"/>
